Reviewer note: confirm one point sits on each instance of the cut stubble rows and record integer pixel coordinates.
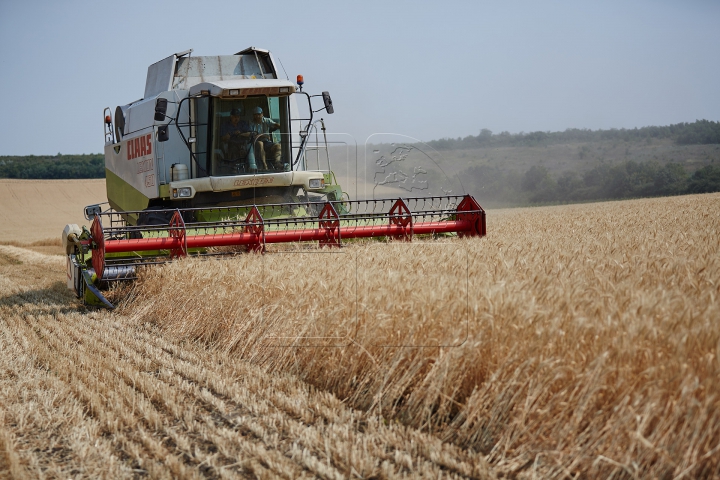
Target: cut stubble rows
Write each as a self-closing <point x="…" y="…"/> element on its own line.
<point x="91" y="394"/>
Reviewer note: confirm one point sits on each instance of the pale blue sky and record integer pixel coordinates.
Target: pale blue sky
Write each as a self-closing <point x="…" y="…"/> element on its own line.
<point x="424" y="69"/>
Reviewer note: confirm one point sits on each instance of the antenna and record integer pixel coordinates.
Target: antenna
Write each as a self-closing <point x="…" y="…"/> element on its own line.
<point x="283" y="67"/>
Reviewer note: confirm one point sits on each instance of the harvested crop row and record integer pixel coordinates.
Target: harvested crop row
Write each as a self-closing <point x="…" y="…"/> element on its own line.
<point x="89" y="394"/>
<point x="235" y="385"/>
<point x="585" y="336"/>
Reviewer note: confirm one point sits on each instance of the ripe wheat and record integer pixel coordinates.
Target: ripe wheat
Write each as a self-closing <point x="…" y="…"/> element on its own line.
<point x="572" y="339"/>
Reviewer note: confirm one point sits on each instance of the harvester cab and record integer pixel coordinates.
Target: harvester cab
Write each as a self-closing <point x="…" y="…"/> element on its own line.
<point x="208" y="132"/>
<point x="215" y="155"/>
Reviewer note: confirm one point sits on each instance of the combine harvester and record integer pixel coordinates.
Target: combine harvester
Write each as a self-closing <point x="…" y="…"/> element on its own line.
<point x="215" y="155"/>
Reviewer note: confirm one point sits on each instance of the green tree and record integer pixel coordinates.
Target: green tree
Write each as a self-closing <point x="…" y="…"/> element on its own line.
<point x="535" y="177"/>
<point x="705" y="180"/>
<point x="670" y="180"/>
<point x="567" y="186"/>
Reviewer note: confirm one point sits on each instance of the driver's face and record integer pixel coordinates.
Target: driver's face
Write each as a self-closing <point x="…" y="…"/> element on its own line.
<point x="234" y="118"/>
<point x="257" y="116"/>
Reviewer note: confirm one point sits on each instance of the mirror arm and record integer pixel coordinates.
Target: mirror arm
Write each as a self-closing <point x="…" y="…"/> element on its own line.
<point x="304" y="140"/>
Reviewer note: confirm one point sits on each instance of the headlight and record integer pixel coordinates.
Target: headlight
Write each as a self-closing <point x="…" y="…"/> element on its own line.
<point x="182" y="192"/>
<point x="316" y="183"/>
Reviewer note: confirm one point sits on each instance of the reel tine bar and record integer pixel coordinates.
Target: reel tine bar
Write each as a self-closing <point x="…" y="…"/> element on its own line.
<point x="330" y="227"/>
<point x="255" y="225"/>
<point x="177" y="230"/>
<point x="400" y="215"/>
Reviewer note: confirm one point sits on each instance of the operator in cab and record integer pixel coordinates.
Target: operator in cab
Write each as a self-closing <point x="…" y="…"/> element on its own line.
<point x="262" y="127"/>
<point x="235" y="135"/>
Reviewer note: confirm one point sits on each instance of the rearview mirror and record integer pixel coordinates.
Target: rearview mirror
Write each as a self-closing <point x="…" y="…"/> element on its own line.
<point x="160" y="109"/>
<point x="328" y="102"/>
<point x="162" y="133"/>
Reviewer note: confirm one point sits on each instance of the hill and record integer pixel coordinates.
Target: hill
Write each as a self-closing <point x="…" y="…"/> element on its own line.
<point x="585" y="165"/>
<point x="512" y="169"/>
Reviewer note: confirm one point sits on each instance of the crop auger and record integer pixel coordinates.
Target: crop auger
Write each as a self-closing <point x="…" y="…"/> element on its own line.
<point x="212" y="161"/>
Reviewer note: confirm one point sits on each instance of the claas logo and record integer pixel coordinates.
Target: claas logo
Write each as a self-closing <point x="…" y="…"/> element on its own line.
<point x="139" y="146"/>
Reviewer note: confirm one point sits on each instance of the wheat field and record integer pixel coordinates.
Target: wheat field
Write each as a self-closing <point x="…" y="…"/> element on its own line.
<point x="34" y="210"/>
<point x="586" y="337"/>
<point x="575" y="341"/>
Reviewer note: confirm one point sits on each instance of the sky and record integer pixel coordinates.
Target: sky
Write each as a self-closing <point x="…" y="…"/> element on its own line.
<point x="428" y="70"/>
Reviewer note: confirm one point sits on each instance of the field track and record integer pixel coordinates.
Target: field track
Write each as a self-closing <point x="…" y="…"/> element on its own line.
<point x="591" y="349"/>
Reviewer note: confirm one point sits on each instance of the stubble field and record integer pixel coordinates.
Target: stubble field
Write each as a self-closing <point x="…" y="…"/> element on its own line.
<point x="572" y="341"/>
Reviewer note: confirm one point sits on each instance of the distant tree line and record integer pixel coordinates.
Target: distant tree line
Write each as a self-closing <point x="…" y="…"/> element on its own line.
<point x="700" y="132"/>
<point x="623" y="180"/>
<point x="53" y="167"/>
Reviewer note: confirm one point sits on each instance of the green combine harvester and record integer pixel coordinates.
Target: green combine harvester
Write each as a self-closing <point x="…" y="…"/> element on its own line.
<point x="215" y="155"/>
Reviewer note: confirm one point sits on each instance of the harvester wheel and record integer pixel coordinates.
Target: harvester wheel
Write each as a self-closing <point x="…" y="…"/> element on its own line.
<point x="161" y="216"/>
<point x="155" y="216"/>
